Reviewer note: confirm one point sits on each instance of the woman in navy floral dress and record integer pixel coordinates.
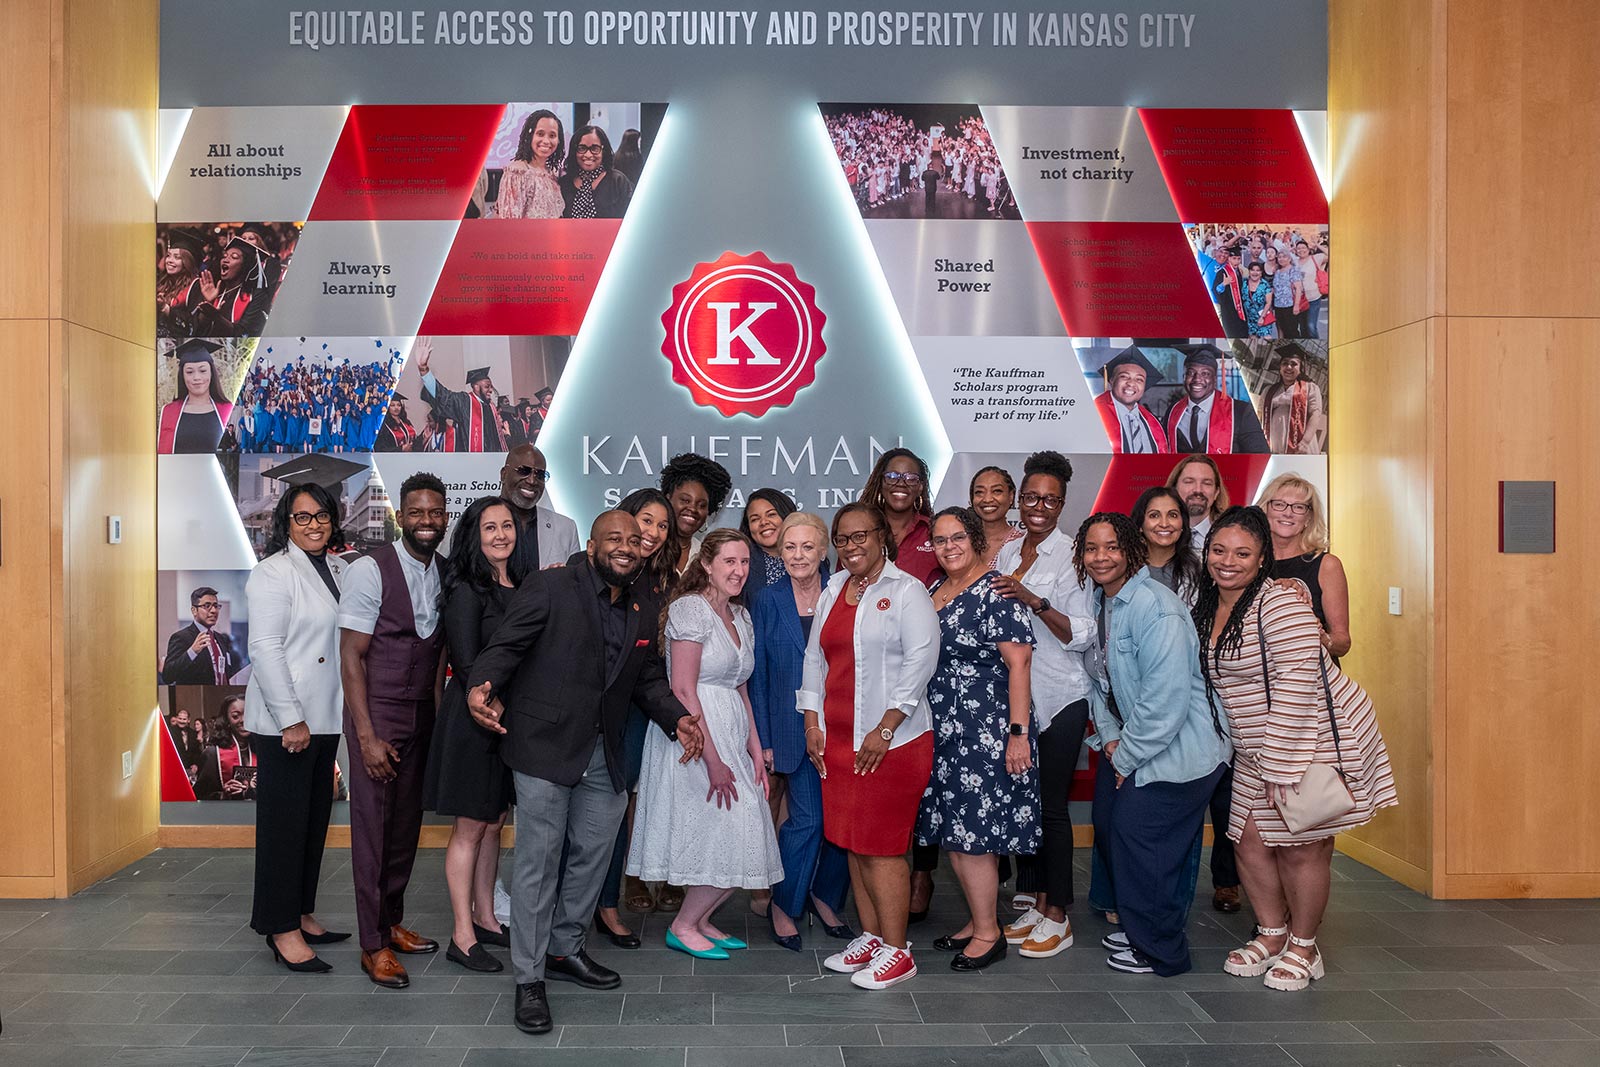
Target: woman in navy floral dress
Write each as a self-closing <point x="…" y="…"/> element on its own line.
<point x="983" y="798"/>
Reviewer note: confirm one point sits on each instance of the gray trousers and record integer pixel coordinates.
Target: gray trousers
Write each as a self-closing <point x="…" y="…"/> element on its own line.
<point x="551" y="906"/>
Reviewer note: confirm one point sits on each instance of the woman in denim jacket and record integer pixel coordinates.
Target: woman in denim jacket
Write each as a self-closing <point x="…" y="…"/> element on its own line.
<point x="1162" y="748"/>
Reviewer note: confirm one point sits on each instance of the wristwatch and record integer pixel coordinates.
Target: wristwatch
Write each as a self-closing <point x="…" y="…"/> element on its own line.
<point x="886" y="733"/>
<point x="1044" y="606"/>
<point x="1017" y="729"/>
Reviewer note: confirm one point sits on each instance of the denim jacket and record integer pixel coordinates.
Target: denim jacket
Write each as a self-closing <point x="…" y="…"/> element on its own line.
<point x="1153" y="659"/>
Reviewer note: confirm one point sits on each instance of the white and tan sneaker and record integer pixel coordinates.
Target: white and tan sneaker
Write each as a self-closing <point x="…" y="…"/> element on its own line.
<point x="1047" y="939"/>
<point x="1022" y="926"/>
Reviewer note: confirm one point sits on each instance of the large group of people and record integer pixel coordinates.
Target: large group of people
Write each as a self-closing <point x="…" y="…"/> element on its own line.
<point x="925" y="688"/>
<point x="886" y="155"/>
<point x="314" y="406"/>
<point x="1265" y="283"/>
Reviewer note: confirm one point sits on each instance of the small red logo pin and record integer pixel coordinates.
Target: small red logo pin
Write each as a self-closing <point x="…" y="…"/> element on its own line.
<point x="883" y="605"/>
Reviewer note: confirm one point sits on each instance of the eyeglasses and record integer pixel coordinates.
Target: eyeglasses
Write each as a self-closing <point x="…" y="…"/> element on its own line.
<point x="589" y="149"/>
<point x="208" y="605"/>
<point x="902" y="478"/>
<point x="306" y="518"/>
<point x="858" y="538"/>
<point x="525" y="470"/>
<point x="1040" y="500"/>
<point x="954" y="539"/>
<point x="1281" y="506"/>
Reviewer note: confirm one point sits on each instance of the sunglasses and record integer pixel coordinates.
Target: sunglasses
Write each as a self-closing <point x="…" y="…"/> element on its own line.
<point x="525" y="470"/>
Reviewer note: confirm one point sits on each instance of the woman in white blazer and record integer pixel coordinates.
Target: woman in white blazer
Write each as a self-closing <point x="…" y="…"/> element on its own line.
<point x="294" y="708"/>
<point x="863" y="692"/>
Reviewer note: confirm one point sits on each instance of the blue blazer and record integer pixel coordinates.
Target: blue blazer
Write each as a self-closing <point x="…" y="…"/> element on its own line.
<point x="780" y="651"/>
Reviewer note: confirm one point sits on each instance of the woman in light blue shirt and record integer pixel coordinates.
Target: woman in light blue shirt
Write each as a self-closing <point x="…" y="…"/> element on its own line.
<point x="1163" y="747"/>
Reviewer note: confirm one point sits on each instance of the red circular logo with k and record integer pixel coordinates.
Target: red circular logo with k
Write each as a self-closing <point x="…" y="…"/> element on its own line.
<point x="743" y="334"/>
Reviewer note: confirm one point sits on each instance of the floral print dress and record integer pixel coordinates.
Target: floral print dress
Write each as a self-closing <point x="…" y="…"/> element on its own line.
<point x="971" y="804"/>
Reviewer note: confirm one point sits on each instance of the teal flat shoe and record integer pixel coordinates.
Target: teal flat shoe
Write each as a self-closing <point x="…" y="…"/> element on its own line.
<point x="732" y="944"/>
<point x="699" y="954"/>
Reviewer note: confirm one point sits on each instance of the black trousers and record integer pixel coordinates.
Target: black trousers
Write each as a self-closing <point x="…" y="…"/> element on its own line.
<point x="294" y="796"/>
<point x="1224" y="870"/>
<point x="1059" y="748"/>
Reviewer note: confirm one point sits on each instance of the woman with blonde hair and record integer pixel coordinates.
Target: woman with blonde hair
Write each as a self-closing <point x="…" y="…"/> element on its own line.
<point x="705" y="825"/>
<point x="1299" y="528"/>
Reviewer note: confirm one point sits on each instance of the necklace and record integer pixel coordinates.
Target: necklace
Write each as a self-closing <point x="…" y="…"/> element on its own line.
<point x="865" y="580"/>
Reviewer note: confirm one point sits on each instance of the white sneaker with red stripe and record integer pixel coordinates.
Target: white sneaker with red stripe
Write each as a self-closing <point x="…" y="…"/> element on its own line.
<point x="857" y="955"/>
<point x="890" y="967"/>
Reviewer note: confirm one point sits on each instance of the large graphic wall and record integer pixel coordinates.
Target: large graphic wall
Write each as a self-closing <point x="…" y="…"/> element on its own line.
<point x="786" y="279"/>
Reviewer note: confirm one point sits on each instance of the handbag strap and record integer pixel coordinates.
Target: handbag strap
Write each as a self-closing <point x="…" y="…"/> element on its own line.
<point x="1327" y="689"/>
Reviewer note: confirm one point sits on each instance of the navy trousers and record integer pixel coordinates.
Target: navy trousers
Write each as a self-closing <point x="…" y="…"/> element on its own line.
<point x="811" y="864"/>
<point x="1146" y="835"/>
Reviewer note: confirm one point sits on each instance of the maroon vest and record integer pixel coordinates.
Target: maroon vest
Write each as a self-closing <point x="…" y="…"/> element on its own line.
<point x="400" y="665"/>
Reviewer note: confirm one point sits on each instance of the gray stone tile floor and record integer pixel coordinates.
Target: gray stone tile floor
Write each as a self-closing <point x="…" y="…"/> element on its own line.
<point x="156" y="967"/>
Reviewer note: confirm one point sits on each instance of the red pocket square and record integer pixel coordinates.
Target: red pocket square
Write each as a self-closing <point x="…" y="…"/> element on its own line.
<point x="642" y="643"/>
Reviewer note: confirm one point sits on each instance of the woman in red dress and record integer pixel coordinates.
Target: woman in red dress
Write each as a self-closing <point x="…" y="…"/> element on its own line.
<point x="864" y="696"/>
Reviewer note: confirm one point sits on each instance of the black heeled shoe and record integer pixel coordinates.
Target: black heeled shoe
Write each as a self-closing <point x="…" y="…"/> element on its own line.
<point x="964" y="962"/>
<point x="327" y="937"/>
<point x="315" y="965"/>
<point x="791" y="942"/>
<point x="951" y="943"/>
<point x="842" y="932"/>
<point x="628" y="940"/>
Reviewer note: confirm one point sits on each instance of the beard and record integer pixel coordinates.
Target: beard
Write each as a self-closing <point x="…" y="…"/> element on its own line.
<point x="420" y="548"/>
<point x="611" y="576"/>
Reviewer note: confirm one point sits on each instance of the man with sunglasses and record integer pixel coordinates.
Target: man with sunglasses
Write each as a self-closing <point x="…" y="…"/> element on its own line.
<point x="545" y="538"/>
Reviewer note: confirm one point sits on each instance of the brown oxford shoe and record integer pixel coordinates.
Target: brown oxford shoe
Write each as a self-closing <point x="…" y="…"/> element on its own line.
<point x="384" y="969"/>
<point x="410" y="942"/>
<point x="1226" y="899"/>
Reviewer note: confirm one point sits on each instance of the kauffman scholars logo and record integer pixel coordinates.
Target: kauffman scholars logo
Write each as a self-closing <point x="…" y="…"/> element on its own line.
<point x="743" y="334"/>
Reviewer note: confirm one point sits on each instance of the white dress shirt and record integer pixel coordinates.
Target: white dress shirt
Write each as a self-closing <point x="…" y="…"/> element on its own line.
<point x="896" y="652"/>
<point x="1058" y="674"/>
<point x="1201" y="438"/>
<point x="361" y="592"/>
<point x="1197" y="537"/>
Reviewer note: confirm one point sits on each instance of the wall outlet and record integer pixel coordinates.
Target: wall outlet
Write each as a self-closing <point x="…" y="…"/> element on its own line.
<point x="127" y="765"/>
<point x="1394" y="600"/>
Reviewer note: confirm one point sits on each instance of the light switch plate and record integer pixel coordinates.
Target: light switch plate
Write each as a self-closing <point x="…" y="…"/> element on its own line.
<point x="113" y="529"/>
<point x="127" y="765"/>
<point x="1394" y="600"/>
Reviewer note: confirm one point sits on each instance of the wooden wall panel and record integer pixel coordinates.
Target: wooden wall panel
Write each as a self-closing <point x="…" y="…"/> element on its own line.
<point x="1382" y="490"/>
<point x="1523" y="179"/>
<point x="25" y="179"/>
<point x="1522" y="731"/>
<point x="29" y="758"/>
<point x="1387" y="224"/>
<point x="110" y="601"/>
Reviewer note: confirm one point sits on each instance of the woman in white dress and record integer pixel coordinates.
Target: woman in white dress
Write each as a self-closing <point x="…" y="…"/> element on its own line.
<point x="705" y="825"/>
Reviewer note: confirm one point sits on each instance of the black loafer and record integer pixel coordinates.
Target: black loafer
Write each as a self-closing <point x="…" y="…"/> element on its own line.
<point x="964" y="962"/>
<point x="476" y="958"/>
<point x="581" y="969"/>
<point x="951" y="943"/>
<point x="533" y="1009"/>
<point x="500" y="936"/>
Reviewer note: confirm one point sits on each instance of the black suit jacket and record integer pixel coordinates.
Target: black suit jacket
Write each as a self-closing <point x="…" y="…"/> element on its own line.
<point x="1247" y="435"/>
<point x="179" y="669"/>
<point x="547" y="663"/>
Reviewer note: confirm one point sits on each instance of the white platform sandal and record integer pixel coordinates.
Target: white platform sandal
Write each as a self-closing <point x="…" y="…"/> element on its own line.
<point x="1302" y="973"/>
<point x="1258" y="960"/>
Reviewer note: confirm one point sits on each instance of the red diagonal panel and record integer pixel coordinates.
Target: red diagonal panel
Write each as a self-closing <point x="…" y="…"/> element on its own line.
<point x="1235" y="165"/>
<point x="1128" y="476"/>
<point x="404" y="161"/>
<point x="1124" y="279"/>
<point x="174" y="776"/>
<point x="520" y="276"/>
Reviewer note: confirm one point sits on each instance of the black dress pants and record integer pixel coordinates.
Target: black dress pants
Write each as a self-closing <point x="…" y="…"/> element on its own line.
<point x="294" y="797"/>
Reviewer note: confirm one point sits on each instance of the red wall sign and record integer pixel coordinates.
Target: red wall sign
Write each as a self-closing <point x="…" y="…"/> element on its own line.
<point x="743" y="334"/>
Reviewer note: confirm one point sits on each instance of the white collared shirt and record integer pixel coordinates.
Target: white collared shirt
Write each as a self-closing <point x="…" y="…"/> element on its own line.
<point x="1204" y="428"/>
<point x="1058" y="675"/>
<point x="1197" y="536"/>
<point x="896" y="652"/>
<point x="361" y="593"/>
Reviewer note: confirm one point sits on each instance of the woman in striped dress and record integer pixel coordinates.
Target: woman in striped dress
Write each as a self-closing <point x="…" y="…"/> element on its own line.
<point x="1277" y="735"/>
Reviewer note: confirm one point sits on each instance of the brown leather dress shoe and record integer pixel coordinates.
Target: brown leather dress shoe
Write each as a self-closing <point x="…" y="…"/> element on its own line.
<point x="384" y="969"/>
<point x="410" y="942"/>
<point x="1226" y="899"/>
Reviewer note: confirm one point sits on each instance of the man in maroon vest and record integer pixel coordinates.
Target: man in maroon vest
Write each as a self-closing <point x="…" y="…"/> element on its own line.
<point x="391" y="649"/>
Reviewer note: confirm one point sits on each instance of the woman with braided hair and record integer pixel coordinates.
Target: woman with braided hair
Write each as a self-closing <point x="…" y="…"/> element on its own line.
<point x="1163" y="749"/>
<point x="1288" y="707"/>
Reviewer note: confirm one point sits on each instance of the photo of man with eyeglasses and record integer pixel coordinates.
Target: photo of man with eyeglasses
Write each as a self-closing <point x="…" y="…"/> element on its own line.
<point x="199" y="653"/>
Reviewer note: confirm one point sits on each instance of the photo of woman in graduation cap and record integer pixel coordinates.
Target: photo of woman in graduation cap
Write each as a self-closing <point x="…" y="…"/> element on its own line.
<point x="176" y="275"/>
<point x="233" y="300"/>
<point x="194" y="422"/>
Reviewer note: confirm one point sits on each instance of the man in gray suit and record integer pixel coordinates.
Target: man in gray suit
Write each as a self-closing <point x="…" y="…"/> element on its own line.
<point x="578" y="646"/>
